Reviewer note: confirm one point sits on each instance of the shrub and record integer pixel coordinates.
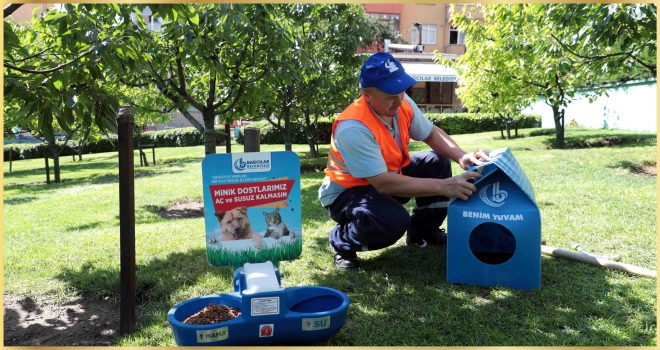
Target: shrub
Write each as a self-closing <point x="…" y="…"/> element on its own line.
<point x="270" y="135"/>
<point x="469" y="123"/>
<point x="452" y="123"/>
<point x="34" y="150"/>
<point x="542" y="132"/>
<point x="182" y="137"/>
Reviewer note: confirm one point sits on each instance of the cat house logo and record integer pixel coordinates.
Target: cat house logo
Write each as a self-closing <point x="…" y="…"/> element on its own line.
<point x="391" y="66"/>
<point x="494" y="198"/>
<point x="251" y="162"/>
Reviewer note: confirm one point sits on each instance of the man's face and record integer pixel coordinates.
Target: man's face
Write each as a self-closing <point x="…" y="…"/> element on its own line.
<point x="385" y="105"/>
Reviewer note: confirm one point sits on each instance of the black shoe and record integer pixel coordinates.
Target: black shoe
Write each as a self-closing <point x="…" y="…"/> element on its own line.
<point x="436" y="238"/>
<point x="345" y="260"/>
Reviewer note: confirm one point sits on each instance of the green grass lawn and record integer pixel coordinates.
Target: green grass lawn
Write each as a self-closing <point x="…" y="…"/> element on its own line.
<point x="63" y="239"/>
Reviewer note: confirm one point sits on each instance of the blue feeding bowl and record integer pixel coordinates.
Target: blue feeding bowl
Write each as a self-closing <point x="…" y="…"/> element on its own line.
<point x="292" y="315"/>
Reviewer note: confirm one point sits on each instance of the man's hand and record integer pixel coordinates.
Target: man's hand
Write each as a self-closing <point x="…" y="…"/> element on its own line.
<point x="473" y="159"/>
<point x="459" y="186"/>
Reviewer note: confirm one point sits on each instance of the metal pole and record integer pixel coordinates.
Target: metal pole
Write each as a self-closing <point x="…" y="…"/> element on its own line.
<point x="125" y="120"/>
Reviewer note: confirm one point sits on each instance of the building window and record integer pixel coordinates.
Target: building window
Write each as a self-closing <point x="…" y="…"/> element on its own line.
<point x="394" y="20"/>
<point x="456" y="37"/>
<point x="428" y="34"/>
<point x="419" y="95"/>
<point x="387" y="17"/>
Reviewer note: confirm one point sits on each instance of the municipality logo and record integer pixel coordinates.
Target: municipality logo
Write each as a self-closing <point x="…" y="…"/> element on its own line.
<point x="494" y="198"/>
<point x="239" y="164"/>
<point x="391" y="66"/>
<point x="254" y="162"/>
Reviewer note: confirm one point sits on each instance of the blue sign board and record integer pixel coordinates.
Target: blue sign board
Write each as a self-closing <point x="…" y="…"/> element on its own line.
<point x="252" y="207"/>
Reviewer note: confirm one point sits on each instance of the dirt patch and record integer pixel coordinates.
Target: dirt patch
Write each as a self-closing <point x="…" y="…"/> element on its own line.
<point x="183" y="210"/>
<point x="648" y="170"/>
<point x="42" y="321"/>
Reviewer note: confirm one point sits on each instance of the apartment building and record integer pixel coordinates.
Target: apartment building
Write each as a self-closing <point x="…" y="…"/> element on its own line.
<point x="23" y="14"/>
<point x="427" y="27"/>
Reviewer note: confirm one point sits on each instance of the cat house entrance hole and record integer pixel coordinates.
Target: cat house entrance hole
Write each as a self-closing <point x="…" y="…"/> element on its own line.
<point x="492" y="243"/>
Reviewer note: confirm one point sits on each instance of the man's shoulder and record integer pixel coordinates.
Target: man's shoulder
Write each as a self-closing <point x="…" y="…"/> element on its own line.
<point x="350" y="124"/>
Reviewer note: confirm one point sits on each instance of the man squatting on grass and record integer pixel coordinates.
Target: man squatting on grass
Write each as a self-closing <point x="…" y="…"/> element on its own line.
<point x="370" y="174"/>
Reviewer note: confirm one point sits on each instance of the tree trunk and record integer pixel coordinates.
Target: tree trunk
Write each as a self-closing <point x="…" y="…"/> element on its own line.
<point x="516" y="136"/>
<point x="309" y="135"/>
<point x="251" y="139"/>
<point x="80" y="146"/>
<point x="209" y="133"/>
<point x="228" y="139"/>
<point x="287" y="118"/>
<point x="559" y="126"/>
<point x="287" y="135"/>
<point x="54" y="151"/>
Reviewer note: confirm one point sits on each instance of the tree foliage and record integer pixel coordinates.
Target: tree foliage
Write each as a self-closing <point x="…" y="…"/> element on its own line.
<point x="206" y="55"/>
<point x="618" y="40"/>
<point x="377" y="31"/>
<point x="74" y="66"/>
<point x="57" y="76"/>
<point x="316" y="71"/>
<point x="522" y="51"/>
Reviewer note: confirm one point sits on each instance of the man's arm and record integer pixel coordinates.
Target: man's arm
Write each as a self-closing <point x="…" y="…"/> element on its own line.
<point x="442" y="143"/>
<point x="406" y="186"/>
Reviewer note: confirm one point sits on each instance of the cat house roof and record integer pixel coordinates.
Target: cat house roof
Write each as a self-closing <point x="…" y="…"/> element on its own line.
<point x="503" y="159"/>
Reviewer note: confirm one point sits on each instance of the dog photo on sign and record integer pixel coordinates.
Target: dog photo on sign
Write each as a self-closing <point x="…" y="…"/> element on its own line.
<point x="235" y="225"/>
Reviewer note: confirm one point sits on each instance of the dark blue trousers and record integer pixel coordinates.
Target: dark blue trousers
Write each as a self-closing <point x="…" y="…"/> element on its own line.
<point x="368" y="220"/>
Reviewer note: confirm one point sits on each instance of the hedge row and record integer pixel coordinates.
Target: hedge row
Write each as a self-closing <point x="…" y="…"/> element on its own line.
<point x="269" y="135"/>
<point x="470" y="123"/>
<point x="451" y="123"/>
<point x="182" y="137"/>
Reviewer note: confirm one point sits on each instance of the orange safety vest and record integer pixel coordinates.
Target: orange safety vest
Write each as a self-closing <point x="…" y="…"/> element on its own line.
<point x="395" y="159"/>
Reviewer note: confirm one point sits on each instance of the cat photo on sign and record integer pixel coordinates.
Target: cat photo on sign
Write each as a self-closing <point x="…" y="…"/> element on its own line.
<point x="276" y="228"/>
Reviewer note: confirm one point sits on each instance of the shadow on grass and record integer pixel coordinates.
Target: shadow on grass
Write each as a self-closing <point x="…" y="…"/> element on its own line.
<point x="96" y="166"/>
<point x="401" y="297"/>
<point x="86" y="226"/>
<point x="20" y="200"/>
<point x="93" y="179"/>
<point x="637" y="168"/>
<point x="43" y="187"/>
<point x="155" y="281"/>
<point x="605" y="139"/>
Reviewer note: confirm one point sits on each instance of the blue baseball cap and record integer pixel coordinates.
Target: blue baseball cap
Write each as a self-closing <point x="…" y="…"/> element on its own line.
<point x="385" y="73"/>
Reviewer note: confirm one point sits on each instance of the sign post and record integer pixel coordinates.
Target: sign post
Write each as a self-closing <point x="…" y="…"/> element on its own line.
<point x="125" y="118"/>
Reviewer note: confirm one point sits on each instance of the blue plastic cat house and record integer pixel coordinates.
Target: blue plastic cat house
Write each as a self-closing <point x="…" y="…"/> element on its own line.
<point x="253" y="220"/>
<point x="494" y="237"/>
